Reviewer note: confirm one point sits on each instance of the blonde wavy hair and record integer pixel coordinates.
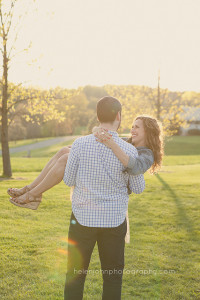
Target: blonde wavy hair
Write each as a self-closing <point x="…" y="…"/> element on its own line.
<point x="154" y="140"/>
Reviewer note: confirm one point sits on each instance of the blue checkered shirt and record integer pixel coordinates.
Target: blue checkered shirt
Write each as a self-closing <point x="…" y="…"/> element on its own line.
<point x="100" y="196"/>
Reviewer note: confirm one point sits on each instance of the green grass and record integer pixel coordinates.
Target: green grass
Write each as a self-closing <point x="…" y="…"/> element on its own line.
<point x="182" y="145"/>
<point x="161" y="262"/>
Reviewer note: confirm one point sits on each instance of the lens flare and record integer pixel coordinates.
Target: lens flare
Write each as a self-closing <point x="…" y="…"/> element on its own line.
<point x="68" y="241"/>
<point x="62" y="251"/>
<point x="68" y="252"/>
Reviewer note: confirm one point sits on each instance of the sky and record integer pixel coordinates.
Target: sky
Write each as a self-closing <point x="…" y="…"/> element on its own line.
<point x="97" y="42"/>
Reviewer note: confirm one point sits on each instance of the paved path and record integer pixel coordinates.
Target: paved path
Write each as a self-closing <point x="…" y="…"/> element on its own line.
<point x="42" y="144"/>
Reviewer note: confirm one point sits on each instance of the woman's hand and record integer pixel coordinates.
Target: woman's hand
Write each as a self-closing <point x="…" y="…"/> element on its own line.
<point x="103" y="136"/>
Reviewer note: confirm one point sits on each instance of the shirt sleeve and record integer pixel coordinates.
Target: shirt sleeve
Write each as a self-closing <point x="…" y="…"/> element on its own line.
<point x="136" y="183"/>
<point x="141" y="163"/>
<point x="72" y="165"/>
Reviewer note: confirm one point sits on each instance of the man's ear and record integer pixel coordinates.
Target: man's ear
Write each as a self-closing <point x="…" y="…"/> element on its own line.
<point x="118" y="117"/>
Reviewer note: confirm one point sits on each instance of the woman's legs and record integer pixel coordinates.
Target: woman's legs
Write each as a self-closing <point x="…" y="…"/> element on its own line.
<point x="17" y="192"/>
<point x="49" y="166"/>
<point x="53" y="177"/>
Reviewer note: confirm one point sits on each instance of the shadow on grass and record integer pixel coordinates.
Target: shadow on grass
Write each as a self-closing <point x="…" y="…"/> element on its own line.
<point x="184" y="219"/>
<point x="10" y="178"/>
<point x="2" y="178"/>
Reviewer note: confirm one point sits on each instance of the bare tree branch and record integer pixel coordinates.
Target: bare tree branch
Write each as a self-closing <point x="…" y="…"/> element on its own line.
<point x="10" y="15"/>
<point x="17" y="29"/>
<point x="1" y="18"/>
<point x="17" y="53"/>
<point x="12" y="47"/>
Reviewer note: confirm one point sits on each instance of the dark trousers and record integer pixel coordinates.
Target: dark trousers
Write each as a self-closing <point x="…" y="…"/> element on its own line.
<point x="81" y="242"/>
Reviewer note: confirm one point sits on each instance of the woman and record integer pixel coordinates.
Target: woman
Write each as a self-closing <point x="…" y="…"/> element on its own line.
<point x="146" y="137"/>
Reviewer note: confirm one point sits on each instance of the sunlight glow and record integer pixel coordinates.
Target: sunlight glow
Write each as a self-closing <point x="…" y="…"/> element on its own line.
<point x="95" y="42"/>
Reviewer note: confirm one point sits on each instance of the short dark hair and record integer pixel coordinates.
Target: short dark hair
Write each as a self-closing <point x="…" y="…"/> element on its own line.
<point x="107" y="109"/>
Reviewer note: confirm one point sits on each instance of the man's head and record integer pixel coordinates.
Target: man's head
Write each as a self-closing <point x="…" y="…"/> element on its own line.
<point x="108" y="110"/>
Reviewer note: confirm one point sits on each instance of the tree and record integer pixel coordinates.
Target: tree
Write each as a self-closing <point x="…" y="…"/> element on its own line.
<point x="39" y="104"/>
<point x="133" y="103"/>
<point x="167" y="107"/>
<point x="160" y="103"/>
<point x="7" y="8"/>
<point x="6" y="20"/>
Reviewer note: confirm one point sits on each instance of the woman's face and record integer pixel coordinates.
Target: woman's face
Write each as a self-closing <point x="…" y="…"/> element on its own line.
<point x="138" y="133"/>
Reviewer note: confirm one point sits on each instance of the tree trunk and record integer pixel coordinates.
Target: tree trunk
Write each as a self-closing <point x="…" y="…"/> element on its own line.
<point x="7" y="172"/>
<point x="158" y="99"/>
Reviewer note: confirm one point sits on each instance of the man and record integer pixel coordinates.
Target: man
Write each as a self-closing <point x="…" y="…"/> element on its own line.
<point x="99" y="205"/>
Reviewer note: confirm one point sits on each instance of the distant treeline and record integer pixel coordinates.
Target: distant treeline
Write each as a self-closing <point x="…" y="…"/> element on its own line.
<point x="35" y="113"/>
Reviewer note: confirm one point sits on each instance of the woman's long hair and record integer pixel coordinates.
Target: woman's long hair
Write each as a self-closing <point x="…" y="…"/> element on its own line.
<point x="154" y="140"/>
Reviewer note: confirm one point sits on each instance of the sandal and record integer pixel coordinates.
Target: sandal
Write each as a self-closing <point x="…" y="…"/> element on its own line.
<point x="30" y="201"/>
<point x="18" y="192"/>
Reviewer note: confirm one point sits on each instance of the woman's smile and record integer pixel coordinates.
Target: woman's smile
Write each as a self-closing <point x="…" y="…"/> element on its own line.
<point x="138" y="133"/>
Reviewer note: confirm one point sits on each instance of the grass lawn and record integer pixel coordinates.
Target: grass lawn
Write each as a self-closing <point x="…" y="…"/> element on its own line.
<point x="161" y="262"/>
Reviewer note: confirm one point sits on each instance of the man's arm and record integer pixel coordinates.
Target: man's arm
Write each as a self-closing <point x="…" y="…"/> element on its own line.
<point x="136" y="184"/>
<point x="72" y="165"/>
